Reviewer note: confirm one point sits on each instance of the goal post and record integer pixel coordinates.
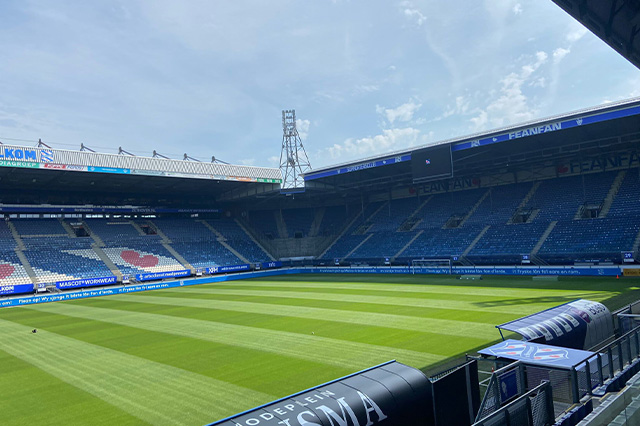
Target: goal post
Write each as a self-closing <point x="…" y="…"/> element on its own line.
<point x="417" y="264"/>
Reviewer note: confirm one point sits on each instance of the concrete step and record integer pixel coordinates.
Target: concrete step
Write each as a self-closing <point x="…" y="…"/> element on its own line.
<point x="543" y="238"/>
<point x="95" y="237"/>
<point x="222" y="240"/>
<point x="27" y="266"/>
<point x="406" y="246"/>
<point x="105" y="259"/>
<point x="613" y="191"/>
<point x="358" y="246"/>
<point x="475" y="241"/>
<point x="474" y="208"/>
<point x="241" y="225"/>
<point x="67" y="228"/>
<point x="317" y="221"/>
<point x="16" y="236"/>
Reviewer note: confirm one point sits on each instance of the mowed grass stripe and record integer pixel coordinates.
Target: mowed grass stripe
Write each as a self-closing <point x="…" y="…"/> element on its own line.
<point x="261" y="371"/>
<point x="437" y="291"/>
<point x="155" y="393"/>
<point x="329" y="351"/>
<point x="490" y="318"/>
<point x="427" y="340"/>
<point x="445" y="327"/>
<point x="525" y="306"/>
<point x="22" y="381"/>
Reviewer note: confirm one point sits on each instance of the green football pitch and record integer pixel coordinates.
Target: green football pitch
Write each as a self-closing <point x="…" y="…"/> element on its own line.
<point x="192" y="355"/>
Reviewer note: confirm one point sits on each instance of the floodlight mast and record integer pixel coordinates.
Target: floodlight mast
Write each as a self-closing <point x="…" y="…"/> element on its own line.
<point x="293" y="157"/>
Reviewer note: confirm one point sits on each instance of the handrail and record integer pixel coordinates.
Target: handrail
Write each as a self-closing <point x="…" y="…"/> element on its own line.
<point x="535" y="390"/>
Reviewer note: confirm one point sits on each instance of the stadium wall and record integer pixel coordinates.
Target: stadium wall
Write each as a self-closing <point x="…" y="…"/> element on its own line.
<point x="609" y="271"/>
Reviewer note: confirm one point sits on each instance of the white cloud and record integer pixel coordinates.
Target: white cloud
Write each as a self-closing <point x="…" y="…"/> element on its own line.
<point x="402" y="113"/>
<point x="415" y="15"/>
<point x="517" y="9"/>
<point x="303" y="128"/>
<point x="274" y="161"/>
<point x="559" y="54"/>
<point x="389" y="140"/>
<point x="248" y="161"/>
<point x="512" y="105"/>
<point x="576" y="34"/>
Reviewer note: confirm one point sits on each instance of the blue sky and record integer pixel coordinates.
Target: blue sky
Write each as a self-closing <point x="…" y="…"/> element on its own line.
<point x="208" y="77"/>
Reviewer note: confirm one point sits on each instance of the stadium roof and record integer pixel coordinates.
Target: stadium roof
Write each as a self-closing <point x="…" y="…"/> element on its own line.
<point x="599" y="127"/>
<point x="93" y="162"/>
<point x="30" y="175"/>
<point x="616" y="22"/>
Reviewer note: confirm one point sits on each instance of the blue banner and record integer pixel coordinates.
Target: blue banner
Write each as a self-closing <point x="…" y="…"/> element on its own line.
<point x="162" y="275"/>
<point x="97" y="209"/>
<point x="271" y="265"/>
<point x="357" y="167"/>
<point x="87" y="282"/>
<point x="228" y="268"/>
<point x="109" y="170"/>
<point x="16" y="289"/>
<point x="548" y="127"/>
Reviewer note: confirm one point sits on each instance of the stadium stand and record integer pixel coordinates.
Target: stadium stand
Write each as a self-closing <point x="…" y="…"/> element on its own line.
<point x="237" y="239"/>
<point x="477" y="225"/>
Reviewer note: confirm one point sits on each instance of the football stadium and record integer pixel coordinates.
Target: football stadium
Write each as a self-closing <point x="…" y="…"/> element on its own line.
<point x="491" y="279"/>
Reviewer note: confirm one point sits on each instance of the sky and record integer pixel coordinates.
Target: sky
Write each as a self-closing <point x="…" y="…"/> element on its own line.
<point x="210" y="78"/>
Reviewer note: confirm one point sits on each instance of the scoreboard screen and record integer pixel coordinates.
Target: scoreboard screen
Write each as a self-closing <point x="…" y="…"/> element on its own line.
<point x="431" y="163"/>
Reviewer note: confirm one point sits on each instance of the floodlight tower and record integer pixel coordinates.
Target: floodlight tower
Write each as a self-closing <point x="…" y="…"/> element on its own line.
<point x="293" y="158"/>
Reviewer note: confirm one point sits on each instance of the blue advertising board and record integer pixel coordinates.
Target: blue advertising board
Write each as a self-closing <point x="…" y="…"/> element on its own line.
<point x="109" y="170"/>
<point x="87" y="282"/>
<point x="271" y="265"/>
<point x="228" y="268"/>
<point x="162" y="275"/>
<point x="535" y="353"/>
<point x="6" y="290"/>
<point x="357" y="167"/>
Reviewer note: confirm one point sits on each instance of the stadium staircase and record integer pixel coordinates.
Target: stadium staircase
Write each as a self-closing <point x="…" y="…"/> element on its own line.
<point x="358" y="246"/>
<point x="399" y="253"/>
<point x="244" y="228"/>
<point x="348" y="227"/>
<point x="166" y="243"/>
<point x="67" y="228"/>
<point x="525" y="201"/>
<point x="475" y="241"/>
<point x="282" y="226"/>
<point x="103" y="256"/>
<point x="137" y="228"/>
<point x="412" y="221"/>
<point x="97" y="246"/>
<point x="615" y="187"/>
<point x="543" y="238"/>
<point x="27" y="266"/>
<point x="474" y="208"/>
<point x="16" y="236"/>
<point x="222" y="240"/>
<point x="317" y="221"/>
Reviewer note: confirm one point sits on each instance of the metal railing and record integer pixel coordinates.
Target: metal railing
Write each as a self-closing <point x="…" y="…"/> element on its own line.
<point x="534" y="408"/>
